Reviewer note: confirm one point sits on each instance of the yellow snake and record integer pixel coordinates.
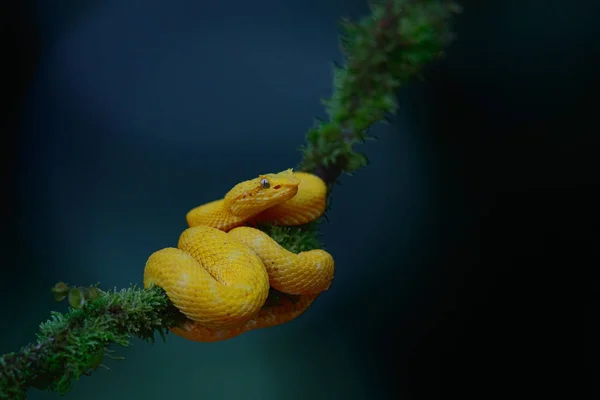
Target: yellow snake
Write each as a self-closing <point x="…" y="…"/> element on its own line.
<point x="221" y="271"/>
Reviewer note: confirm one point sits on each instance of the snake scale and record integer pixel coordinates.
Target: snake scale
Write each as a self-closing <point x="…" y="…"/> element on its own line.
<point x="220" y="274"/>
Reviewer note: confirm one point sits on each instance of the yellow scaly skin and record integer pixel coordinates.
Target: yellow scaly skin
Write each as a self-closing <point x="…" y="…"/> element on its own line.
<point x="220" y="273"/>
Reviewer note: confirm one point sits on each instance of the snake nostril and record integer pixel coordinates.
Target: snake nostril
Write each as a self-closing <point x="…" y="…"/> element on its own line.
<point x="276" y="186"/>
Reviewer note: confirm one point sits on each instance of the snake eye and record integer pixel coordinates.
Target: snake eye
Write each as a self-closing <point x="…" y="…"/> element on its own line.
<point x="264" y="182"/>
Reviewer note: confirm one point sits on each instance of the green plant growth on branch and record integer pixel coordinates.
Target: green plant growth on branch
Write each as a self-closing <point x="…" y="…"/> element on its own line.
<point x="382" y="52"/>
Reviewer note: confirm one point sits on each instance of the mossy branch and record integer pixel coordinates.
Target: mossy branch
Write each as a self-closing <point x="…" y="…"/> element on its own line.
<point x="382" y="52"/>
<point x="73" y="344"/>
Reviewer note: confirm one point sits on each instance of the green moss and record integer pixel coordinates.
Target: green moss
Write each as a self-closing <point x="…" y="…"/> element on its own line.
<point x="383" y="51"/>
<point x="295" y="238"/>
<point x="72" y="344"/>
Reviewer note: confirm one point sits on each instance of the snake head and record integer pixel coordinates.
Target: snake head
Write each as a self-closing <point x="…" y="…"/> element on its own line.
<point x="253" y="196"/>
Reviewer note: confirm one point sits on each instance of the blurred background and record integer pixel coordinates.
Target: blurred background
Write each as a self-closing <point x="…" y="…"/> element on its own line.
<point x="121" y="116"/>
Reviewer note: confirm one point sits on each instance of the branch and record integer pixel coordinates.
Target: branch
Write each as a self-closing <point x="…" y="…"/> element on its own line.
<point x="73" y="344"/>
<point x="383" y="51"/>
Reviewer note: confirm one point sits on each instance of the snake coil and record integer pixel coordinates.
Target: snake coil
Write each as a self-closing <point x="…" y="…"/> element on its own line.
<point x="221" y="271"/>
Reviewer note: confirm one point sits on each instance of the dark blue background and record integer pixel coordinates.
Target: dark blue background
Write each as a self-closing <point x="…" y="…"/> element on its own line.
<point x="127" y="114"/>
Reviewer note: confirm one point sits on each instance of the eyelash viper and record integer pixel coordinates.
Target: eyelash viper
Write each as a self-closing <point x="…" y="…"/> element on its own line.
<point x="221" y="271"/>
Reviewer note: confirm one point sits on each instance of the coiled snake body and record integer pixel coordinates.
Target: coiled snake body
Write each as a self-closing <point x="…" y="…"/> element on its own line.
<point x="221" y="271"/>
